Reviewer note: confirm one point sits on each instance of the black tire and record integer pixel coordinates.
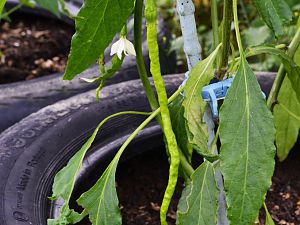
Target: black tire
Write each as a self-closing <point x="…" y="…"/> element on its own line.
<point x="19" y="99"/>
<point x="32" y="151"/>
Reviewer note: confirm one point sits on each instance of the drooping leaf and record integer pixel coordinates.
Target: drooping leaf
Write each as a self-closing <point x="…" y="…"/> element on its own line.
<point x="247" y="136"/>
<point x="275" y="13"/>
<point x="178" y="124"/>
<point x="97" y="23"/>
<point x="51" y="5"/>
<point x="194" y="105"/>
<point x="101" y="200"/>
<point x="65" y="179"/>
<point x="198" y="203"/>
<point x="292" y="69"/>
<point x="287" y="119"/>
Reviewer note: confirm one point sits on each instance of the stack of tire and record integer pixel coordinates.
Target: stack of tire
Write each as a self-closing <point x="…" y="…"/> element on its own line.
<point x="46" y="120"/>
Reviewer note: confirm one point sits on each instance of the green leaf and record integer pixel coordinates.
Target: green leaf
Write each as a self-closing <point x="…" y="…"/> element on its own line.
<point x="287" y="114"/>
<point x="101" y="200"/>
<point x="178" y="124"/>
<point x="51" y="5"/>
<point x="275" y="13"/>
<point x="2" y="3"/>
<point x="287" y="119"/>
<point x="97" y="23"/>
<point x="65" y="179"/>
<point x="68" y="217"/>
<point x="269" y="220"/>
<point x="293" y="70"/>
<point x="194" y="106"/>
<point x="198" y="203"/>
<point x="247" y="136"/>
<point x="251" y="38"/>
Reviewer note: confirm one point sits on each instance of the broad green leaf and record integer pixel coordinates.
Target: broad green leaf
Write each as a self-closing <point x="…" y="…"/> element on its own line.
<point x="287" y="119"/>
<point x="51" y="5"/>
<point x="287" y="115"/>
<point x="101" y="200"/>
<point x="194" y="106"/>
<point x="275" y="13"/>
<point x="178" y="124"/>
<point x="198" y="203"/>
<point x="269" y="220"/>
<point x="293" y="70"/>
<point x="247" y="136"/>
<point x="97" y="23"/>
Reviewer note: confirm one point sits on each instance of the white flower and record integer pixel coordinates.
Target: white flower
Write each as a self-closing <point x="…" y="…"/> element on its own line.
<point x="122" y="45"/>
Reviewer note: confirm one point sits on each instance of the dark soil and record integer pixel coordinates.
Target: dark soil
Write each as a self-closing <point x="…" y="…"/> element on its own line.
<point x="141" y="183"/>
<point x="32" y="46"/>
<point x="142" y="180"/>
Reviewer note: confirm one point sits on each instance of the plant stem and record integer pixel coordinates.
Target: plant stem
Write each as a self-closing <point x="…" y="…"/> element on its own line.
<point x="214" y="21"/>
<point x="272" y="100"/>
<point x="185" y="164"/>
<point x="227" y="19"/>
<point x="237" y="28"/>
<point x="138" y="16"/>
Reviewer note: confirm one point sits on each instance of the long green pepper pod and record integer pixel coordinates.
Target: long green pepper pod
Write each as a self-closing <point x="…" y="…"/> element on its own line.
<point x="151" y="18"/>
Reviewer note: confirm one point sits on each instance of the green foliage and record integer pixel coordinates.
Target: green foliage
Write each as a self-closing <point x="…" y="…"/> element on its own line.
<point x="178" y="124"/>
<point x="51" y="5"/>
<point x="269" y="220"/>
<point x="198" y="203"/>
<point x="247" y="154"/>
<point x="101" y="200"/>
<point x="65" y="179"/>
<point x="2" y="3"/>
<point x="96" y="24"/>
<point x="194" y="106"/>
<point x="275" y="13"/>
<point x="287" y="119"/>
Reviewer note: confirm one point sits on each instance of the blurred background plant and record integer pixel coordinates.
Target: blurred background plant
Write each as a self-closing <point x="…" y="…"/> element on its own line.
<point x="254" y="31"/>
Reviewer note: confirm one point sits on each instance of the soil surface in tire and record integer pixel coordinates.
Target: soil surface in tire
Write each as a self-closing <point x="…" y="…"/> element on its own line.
<point x="31" y="47"/>
<point x="141" y="182"/>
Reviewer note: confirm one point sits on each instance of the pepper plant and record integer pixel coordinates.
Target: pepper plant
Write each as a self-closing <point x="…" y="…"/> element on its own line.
<point x="230" y="186"/>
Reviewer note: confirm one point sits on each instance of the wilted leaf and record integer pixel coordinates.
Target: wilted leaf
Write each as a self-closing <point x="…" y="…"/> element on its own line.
<point x="247" y="154"/>
<point x="97" y="23"/>
<point x="198" y="203"/>
<point x="194" y="106"/>
<point x="178" y="124"/>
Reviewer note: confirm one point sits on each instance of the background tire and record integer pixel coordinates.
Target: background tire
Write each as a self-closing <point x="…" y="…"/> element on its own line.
<point x="19" y="99"/>
<point x="32" y="151"/>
